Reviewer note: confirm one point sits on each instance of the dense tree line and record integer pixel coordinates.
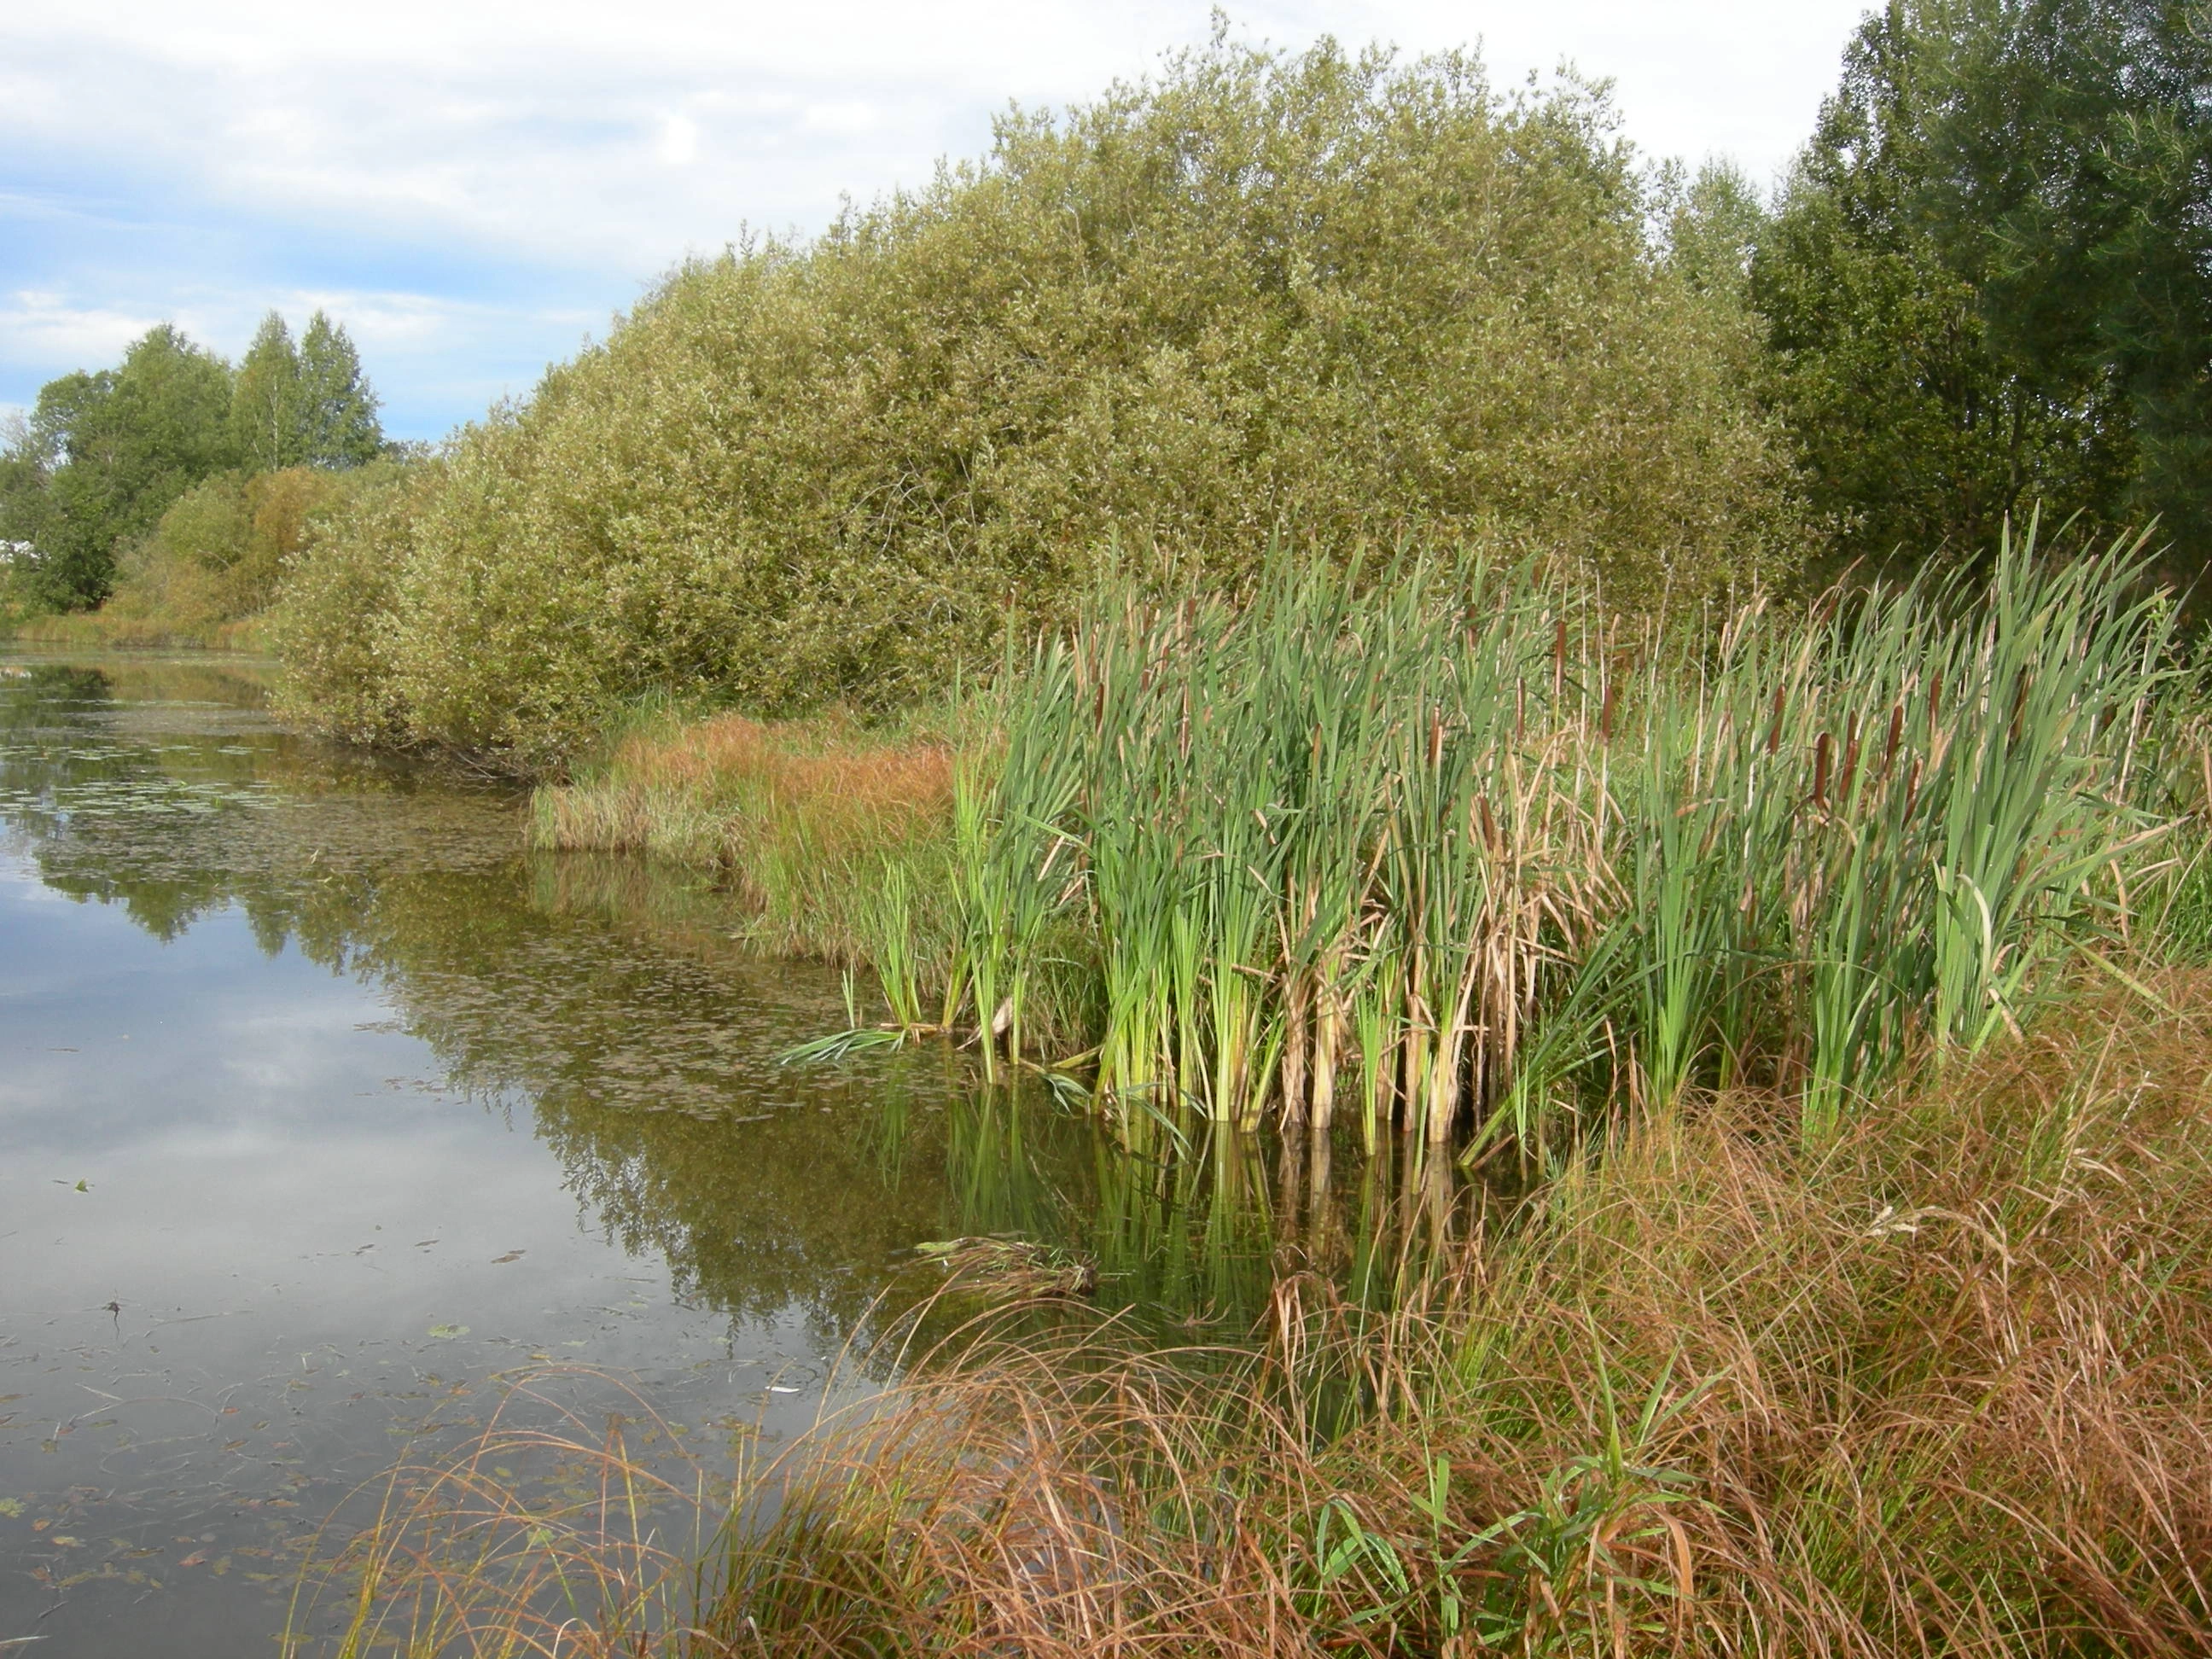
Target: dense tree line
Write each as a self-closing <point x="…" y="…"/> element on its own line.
<point x="105" y="455"/>
<point x="1332" y="296"/>
<point x="1987" y="286"/>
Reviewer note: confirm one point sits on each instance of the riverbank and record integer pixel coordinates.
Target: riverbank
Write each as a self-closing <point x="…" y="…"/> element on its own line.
<point x="1447" y="850"/>
<point x="807" y="820"/>
<point x="100" y="630"/>
<point x="1816" y="1002"/>
<point x="1937" y="1386"/>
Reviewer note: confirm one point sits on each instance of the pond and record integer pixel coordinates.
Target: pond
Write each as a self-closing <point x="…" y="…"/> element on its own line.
<point x="326" y="1106"/>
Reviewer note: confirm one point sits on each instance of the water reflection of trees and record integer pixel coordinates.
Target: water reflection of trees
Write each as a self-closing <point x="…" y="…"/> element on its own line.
<point x="605" y="997"/>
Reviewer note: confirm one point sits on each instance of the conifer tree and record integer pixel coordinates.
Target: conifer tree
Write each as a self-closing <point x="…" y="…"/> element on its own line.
<point x="337" y="425"/>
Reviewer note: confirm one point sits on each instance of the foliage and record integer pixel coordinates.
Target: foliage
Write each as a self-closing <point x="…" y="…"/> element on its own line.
<point x="1986" y="287"/>
<point x="265" y="398"/>
<point x="338" y="426"/>
<point x="1349" y="295"/>
<point x="219" y="551"/>
<point x="304" y="405"/>
<point x="1449" y="846"/>
<point x="104" y="456"/>
<point x="1714" y="229"/>
<point x="2076" y="143"/>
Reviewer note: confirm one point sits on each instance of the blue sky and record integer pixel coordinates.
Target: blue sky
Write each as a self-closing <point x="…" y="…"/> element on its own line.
<point x="474" y="189"/>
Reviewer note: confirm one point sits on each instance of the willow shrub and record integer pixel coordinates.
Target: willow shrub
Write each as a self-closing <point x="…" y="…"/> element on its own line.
<point x="219" y="553"/>
<point x="1346" y="296"/>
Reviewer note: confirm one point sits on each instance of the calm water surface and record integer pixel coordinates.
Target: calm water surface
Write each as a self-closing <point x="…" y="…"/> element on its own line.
<point x="322" y="1104"/>
<point x="325" y="1108"/>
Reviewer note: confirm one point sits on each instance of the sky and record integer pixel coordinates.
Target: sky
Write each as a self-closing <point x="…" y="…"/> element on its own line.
<point x="474" y="189"/>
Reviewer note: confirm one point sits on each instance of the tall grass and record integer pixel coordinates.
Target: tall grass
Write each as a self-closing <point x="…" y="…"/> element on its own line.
<point x="1935" y="1386"/>
<point x="1436" y="839"/>
<point x="832" y="833"/>
<point x="565" y="1527"/>
<point x="1434" y="836"/>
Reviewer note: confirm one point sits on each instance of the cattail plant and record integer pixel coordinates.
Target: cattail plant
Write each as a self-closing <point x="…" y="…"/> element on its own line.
<point x="1430" y="835"/>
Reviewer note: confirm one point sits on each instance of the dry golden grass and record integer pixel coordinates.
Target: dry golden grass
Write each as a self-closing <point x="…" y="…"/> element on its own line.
<point x="98" y="629"/>
<point x="565" y="1529"/>
<point x="803" y="818"/>
<point x="1942" y="1388"/>
<point x="731" y="782"/>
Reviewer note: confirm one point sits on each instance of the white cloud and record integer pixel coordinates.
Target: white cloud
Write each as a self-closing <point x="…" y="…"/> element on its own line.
<point x="46" y="328"/>
<point x="568" y="146"/>
<point x="679" y="141"/>
<point x="848" y="118"/>
<point x="533" y="127"/>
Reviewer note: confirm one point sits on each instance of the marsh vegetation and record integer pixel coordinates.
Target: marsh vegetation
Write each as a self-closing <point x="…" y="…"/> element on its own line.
<point x="1550" y="818"/>
<point x="1450" y="845"/>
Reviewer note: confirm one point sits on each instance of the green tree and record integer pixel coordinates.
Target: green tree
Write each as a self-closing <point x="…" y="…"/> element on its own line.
<point x="2074" y="163"/>
<point x="266" y="402"/>
<point x="1714" y="229"/>
<point x="1341" y="297"/>
<point x="1989" y="284"/>
<point x="110" y="451"/>
<point x="304" y="405"/>
<point x="336" y="423"/>
<point x="22" y="490"/>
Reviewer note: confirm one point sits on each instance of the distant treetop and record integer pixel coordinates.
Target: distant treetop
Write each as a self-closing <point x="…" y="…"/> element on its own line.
<point x="104" y="453"/>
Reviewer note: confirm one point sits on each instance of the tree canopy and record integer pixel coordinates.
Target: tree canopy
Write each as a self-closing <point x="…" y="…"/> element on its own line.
<point x="1989" y="285"/>
<point x="1335" y="296"/>
<point x="104" y="453"/>
<point x="307" y="405"/>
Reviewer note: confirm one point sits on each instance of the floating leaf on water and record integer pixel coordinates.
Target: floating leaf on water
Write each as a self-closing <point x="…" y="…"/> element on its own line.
<point x="446" y="1331"/>
<point x="11" y="1507"/>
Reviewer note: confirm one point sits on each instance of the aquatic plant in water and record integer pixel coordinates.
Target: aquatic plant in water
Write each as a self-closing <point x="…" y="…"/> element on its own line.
<point x="1437" y="837"/>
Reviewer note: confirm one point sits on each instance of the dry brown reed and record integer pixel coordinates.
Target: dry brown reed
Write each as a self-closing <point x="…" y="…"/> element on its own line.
<point x="566" y="1527"/>
<point x="802" y="819"/>
<point x="841" y="789"/>
<point x="1940" y="1388"/>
